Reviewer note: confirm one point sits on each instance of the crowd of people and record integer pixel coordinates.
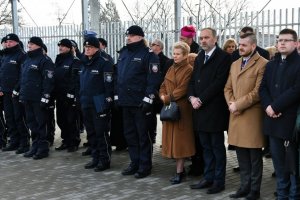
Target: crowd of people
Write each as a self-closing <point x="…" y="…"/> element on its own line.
<point x="242" y="89"/>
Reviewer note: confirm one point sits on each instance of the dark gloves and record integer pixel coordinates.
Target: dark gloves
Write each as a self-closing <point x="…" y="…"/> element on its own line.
<point x="71" y="100"/>
<point x="106" y="108"/>
<point x="146" y="105"/>
<point x="45" y="101"/>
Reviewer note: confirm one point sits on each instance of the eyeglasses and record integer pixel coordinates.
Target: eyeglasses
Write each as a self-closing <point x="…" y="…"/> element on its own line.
<point x="285" y="40"/>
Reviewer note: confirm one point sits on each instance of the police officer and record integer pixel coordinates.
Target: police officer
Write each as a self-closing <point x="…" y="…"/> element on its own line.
<point x="138" y="78"/>
<point x="3" y="132"/>
<point x="12" y="60"/>
<point x="67" y="67"/>
<point x="103" y="45"/>
<point x="37" y="83"/>
<point x="96" y="93"/>
<point x="51" y="118"/>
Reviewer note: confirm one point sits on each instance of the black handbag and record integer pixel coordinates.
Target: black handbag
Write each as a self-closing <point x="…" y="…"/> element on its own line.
<point x="170" y="112"/>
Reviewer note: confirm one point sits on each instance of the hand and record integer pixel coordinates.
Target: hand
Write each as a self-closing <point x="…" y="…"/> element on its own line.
<point x="162" y="97"/>
<point x="1" y="94"/>
<point x="232" y="107"/>
<point x="146" y="107"/>
<point x="196" y="103"/>
<point x="71" y="100"/>
<point x="270" y="112"/>
<point x="14" y="94"/>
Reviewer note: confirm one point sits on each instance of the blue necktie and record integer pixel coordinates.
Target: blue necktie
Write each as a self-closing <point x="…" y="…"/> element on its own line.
<point x="206" y="58"/>
<point x="243" y="64"/>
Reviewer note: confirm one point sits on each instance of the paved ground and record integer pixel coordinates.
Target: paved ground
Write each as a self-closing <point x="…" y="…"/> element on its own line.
<point x="62" y="176"/>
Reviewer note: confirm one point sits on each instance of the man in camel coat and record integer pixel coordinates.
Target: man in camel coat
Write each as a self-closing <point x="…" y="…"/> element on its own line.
<point x="246" y="115"/>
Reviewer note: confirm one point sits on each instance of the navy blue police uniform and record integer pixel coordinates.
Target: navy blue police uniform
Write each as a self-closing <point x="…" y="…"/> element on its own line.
<point x="37" y="83"/>
<point x="138" y="78"/>
<point x="3" y="132"/>
<point x="66" y="89"/>
<point x="96" y="94"/>
<point x="13" y="109"/>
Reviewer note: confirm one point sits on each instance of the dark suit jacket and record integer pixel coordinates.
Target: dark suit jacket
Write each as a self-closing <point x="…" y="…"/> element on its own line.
<point x="264" y="53"/>
<point x="281" y="90"/>
<point x="207" y="83"/>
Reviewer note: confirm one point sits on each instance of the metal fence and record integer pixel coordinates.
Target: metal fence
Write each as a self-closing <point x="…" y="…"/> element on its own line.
<point x="267" y="25"/>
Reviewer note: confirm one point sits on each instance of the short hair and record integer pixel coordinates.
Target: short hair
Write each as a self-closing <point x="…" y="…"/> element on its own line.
<point x="289" y="31"/>
<point x="251" y="36"/>
<point x="214" y="32"/>
<point x="183" y="46"/>
<point x="159" y="43"/>
<point x="103" y="41"/>
<point x="228" y="42"/>
<point x="247" y="29"/>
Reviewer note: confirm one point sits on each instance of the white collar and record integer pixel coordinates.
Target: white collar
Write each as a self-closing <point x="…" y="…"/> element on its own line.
<point x="211" y="51"/>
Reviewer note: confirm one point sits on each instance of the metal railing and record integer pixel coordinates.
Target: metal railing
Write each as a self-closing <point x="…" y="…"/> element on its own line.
<point x="267" y="25"/>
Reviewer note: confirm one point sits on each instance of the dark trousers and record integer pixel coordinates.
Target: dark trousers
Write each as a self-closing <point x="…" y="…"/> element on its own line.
<point x="51" y="126"/>
<point x="288" y="185"/>
<point x="97" y="128"/>
<point x="68" y="122"/>
<point x="138" y="139"/>
<point x="251" y="168"/>
<point x="214" y="155"/>
<point x="152" y="124"/>
<point x="15" y="121"/>
<point x="37" y="118"/>
<point x="117" y="129"/>
<point x="3" y="132"/>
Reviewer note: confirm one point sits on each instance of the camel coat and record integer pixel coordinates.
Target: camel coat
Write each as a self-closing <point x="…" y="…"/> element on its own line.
<point x="246" y="129"/>
<point x="178" y="137"/>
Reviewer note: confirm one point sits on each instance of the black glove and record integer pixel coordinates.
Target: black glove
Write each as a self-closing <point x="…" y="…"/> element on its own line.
<point x="146" y="107"/>
<point x="106" y="109"/>
<point x="71" y="100"/>
<point x="45" y="101"/>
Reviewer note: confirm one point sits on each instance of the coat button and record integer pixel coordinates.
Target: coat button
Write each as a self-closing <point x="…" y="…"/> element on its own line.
<point x="198" y="81"/>
<point x="276" y="85"/>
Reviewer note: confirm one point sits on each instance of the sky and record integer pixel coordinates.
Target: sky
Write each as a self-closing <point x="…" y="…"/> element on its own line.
<point x="49" y="12"/>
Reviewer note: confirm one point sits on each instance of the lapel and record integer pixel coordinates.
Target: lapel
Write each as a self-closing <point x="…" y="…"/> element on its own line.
<point x="252" y="61"/>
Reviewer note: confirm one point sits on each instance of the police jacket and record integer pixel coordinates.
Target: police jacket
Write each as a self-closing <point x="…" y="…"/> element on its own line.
<point x="138" y="75"/>
<point x="280" y="88"/>
<point x="96" y="83"/>
<point x="37" y="78"/>
<point x="10" y="69"/>
<point x="67" y="68"/>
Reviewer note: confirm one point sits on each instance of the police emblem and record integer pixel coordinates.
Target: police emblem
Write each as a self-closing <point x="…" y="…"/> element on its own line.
<point x="108" y="77"/>
<point x="50" y="74"/>
<point x="155" y="68"/>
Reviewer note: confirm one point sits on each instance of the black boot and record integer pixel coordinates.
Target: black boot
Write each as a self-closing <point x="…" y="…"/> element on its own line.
<point x="177" y="178"/>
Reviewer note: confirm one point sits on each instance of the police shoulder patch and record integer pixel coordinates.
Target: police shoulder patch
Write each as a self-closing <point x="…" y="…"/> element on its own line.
<point x="154" y="67"/>
<point x="108" y="77"/>
<point x="50" y="74"/>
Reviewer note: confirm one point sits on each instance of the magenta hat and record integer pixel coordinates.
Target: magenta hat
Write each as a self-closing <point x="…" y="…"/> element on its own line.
<point x="188" y="31"/>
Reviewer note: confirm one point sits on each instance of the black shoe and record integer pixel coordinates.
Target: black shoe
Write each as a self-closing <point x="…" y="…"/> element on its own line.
<point x="72" y="148"/>
<point x="239" y="194"/>
<point x="39" y="156"/>
<point x="61" y="147"/>
<point x="231" y="147"/>
<point x="22" y="150"/>
<point x="236" y="169"/>
<point x="102" y="166"/>
<point x="215" y="189"/>
<point x="141" y="174"/>
<point x="87" y="152"/>
<point x="253" y="195"/>
<point x="177" y="178"/>
<point x="92" y="164"/>
<point x="29" y="153"/>
<point x="86" y="144"/>
<point x="273" y="174"/>
<point x="10" y="148"/>
<point x="202" y="184"/>
<point x="130" y="170"/>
